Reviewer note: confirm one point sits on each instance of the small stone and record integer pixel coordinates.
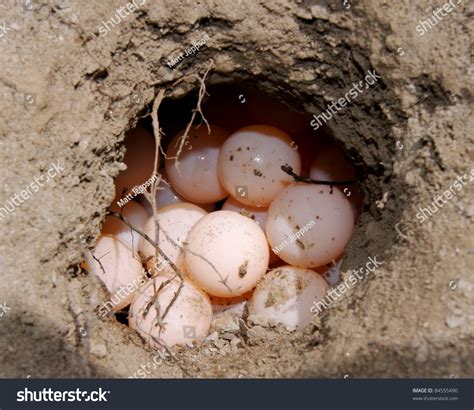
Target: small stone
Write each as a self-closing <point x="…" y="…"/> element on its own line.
<point x="227" y="336"/>
<point x="258" y="320"/>
<point x="320" y="12"/>
<point x="212" y="338"/>
<point x="99" y="350"/>
<point x="221" y="344"/>
<point x="304" y="14"/>
<point x="236" y="343"/>
<point x="226" y="322"/>
<point x="454" y="321"/>
<point x="470" y="211"/>
<point x="226" y="349"/>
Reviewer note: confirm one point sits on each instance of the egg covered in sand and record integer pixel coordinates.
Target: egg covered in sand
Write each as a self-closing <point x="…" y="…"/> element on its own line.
<point x="285" y="296"/>
<point x="188" y="318"/>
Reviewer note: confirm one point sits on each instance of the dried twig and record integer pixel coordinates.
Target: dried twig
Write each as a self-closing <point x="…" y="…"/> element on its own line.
<point x="98" y="260"/>
<point x="151" y="196"/>
<point x="151" y="241"/>
<point x="289" y="170"/>
<point x="202" y="93"/>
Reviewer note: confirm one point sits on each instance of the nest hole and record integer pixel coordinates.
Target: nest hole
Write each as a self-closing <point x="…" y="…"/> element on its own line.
<point x="237" y="105"/>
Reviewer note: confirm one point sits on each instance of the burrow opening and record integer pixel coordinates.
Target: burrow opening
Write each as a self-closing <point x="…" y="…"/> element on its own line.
<point x="239" y="104"/>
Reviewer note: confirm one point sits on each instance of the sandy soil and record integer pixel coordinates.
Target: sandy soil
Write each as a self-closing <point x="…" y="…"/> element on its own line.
<point x="69" y="94"/>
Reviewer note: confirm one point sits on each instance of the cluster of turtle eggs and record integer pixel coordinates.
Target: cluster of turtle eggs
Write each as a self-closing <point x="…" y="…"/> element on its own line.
<point x="245" y="236"/>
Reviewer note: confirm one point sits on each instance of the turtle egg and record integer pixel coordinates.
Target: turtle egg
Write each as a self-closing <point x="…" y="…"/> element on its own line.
<point x="189" y="316"/>
<point x="226" y="253"/>
<point x="165" y="195"/>
<point x="236" y="304"/>
<point x="332" y="165"/>
<point x="139" y="158"/>
<point x="259" y="215"/>
<point x="135" y="214"/>
<point x="250" y="163"/>
<point x="118" y="269"/>
<point x="309" y="225"/>
<point x="195" y="178"/>
<point x="175" y="221"/>
<point x="285" y="295"/>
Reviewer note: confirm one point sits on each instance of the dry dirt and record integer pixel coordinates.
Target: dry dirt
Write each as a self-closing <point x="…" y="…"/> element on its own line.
<point x="69" y="94"/>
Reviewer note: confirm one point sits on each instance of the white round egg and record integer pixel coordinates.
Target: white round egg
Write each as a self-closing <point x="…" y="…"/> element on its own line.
<point x="188" y="318"/>
<point x="309" y="225"/>
<point x="135" y="214"/>
<point x="165" y="195"/>
<point x="259" y="215"/>
<point x="226" y="253"/>
<point x="118" y="269"/>
<point x="235" y="304"/>
<point x="332" y="164"/>
<point x="285" y="296"/>
<point x="196" y="176"/>
<point x="250" y="163"/>
<point x="176" y="221"/>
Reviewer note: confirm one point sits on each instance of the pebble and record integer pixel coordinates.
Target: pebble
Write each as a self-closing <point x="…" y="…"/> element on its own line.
<point x="454" y="321"/>
<point x="99" y="350"/>
<point x="320" y="12"/>
<point x="212" y="338"/>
